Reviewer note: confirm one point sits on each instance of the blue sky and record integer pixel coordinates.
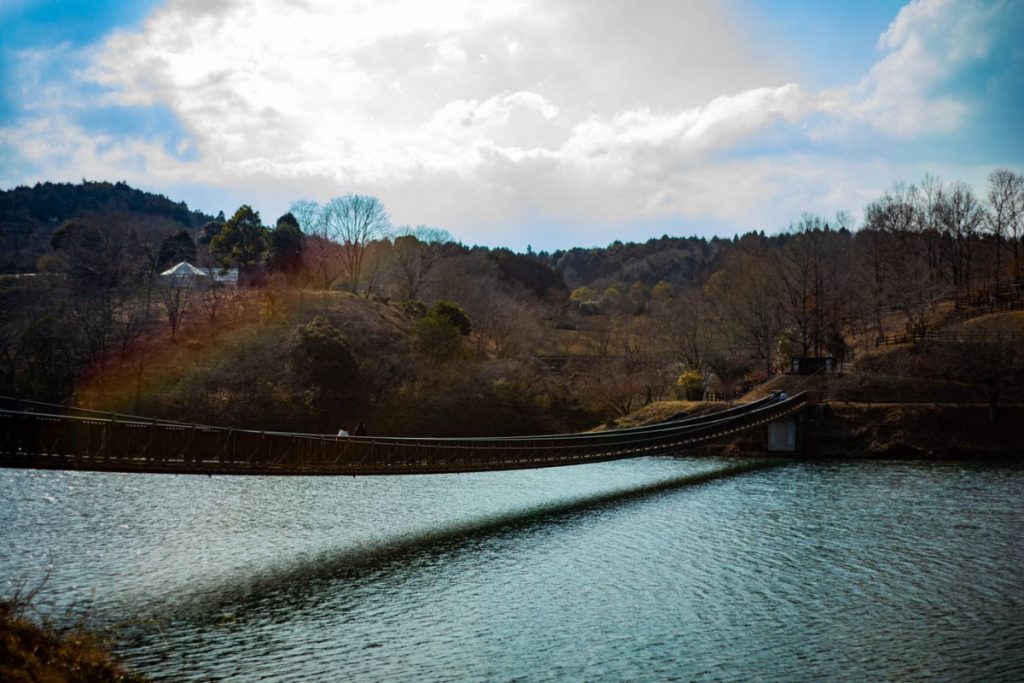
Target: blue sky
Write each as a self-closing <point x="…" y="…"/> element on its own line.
<point x="516" y="122"/>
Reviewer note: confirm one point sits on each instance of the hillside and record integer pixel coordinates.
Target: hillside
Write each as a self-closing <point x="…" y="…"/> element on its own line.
<point x="958" y="393"/>
<point x="680" y="261"/>
<point x="30" y="215"/>
<point x="421" y="335"/>
<point x="273" y="363"/>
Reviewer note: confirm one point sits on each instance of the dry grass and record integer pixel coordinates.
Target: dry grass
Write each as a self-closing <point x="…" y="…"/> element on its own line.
<point x="660" y="411"/>
<point x="38" y="653"/>
<point x="370" y="326"/>
<point x="1010" y="320"/>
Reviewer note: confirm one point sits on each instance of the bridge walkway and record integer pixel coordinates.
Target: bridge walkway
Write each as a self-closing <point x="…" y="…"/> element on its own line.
<point x="52" y="440"/>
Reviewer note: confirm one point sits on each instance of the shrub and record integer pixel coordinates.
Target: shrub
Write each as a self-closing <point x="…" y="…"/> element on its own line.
<point x="454" y="314"/>
<point x="320" y="356"/>
<point x="414" y="308"/>
<point x="691" y="385"/>
<point x="435" y="336"/>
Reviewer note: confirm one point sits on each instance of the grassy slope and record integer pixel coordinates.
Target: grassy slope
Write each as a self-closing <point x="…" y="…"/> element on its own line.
<point x="659" y="411"/>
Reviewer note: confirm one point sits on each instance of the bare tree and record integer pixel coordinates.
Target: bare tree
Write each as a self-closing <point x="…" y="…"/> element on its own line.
<point x="961" y="216"/>
<point x="746" y="301"/>
<point x="510" y="322"/>
<point x="655" y="374"/>
<point x="811" y="284"/>
<point x="892" y="224"/>
<point x="103" y="258"/>
<point x="319" y="251"/>
<point x="353" y="221"/>
<point x="377" y="264"/>
<point x="212" y="298"/>
<point x="684" y="330"/>
<point x="1005" y="192"/>
<point x="415" y="255"/>
<point x="871" y="250"/>
<point x="1017" y="235"/>
<point x="609" y="384"/>
<point x="176" y="295"/>
<point x="341" y="230"/>
<point x="930" y="191"/>
<point x="595" y="335"/>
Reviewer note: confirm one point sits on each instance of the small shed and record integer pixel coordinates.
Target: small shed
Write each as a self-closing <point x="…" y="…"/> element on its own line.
<point x="227" y="277"/>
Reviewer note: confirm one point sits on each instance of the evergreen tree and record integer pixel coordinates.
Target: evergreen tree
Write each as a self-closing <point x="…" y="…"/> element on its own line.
<point x="286" y="245"/>
<point x="243" y="240"/>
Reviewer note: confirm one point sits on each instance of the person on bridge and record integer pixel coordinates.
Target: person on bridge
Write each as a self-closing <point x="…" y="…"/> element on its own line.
<point x="360" y="429"/>
<point x="343" y="431"/>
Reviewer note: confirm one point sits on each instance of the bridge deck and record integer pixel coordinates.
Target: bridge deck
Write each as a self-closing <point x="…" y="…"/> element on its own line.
<point x="132" y="444"/>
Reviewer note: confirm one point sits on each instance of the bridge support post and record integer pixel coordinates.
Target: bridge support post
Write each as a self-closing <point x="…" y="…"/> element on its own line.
<point x="784" y="437"/>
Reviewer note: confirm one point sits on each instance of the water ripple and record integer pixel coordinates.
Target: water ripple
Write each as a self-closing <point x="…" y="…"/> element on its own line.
<point x="648" y="570"/>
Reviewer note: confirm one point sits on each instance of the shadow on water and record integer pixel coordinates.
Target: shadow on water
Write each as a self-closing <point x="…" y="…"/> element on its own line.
<point x="295" y="585"/>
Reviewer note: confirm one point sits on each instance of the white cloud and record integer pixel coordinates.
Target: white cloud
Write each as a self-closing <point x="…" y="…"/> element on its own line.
<point x="493" y="112"/>
<point x="688" y="134"/>
<point x="372" y="93"/>
<point x="463" y="113"/>
<point x="449" y="50"/>
<point x="927" y="44"/>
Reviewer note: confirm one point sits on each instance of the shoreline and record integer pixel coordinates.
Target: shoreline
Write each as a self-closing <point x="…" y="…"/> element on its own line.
<point x="37" y="651"/>
<point x="899" y="431"/>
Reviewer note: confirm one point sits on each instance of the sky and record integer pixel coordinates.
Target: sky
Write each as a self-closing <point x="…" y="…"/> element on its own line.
<point x="548" y="123"/>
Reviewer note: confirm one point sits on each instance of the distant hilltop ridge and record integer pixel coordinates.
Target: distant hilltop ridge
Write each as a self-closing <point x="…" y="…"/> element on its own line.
<point x="30" y="215"/>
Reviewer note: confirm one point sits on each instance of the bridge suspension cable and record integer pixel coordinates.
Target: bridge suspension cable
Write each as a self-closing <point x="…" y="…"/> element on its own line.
<point x="52" y="440"/>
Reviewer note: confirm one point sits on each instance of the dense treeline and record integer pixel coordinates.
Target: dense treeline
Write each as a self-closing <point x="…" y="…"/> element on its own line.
<point x="679" y="261"/>
<point x="339" y="315"/>
<point x="29" y="215"/>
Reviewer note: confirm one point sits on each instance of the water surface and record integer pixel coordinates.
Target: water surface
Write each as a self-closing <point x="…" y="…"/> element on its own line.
<point x="650" y="569"/>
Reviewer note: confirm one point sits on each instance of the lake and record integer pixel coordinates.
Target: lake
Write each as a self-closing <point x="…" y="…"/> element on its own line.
<point x="652" y="569"/>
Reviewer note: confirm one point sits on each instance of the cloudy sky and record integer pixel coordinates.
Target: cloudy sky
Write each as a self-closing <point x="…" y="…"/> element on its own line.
<point x="553" y="123"/>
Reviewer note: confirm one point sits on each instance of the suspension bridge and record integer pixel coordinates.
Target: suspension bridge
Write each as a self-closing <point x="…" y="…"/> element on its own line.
<point x="76" y="439"/>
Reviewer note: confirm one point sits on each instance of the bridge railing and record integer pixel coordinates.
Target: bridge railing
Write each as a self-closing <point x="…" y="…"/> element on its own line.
<point x="667" y="425"/>
<point x="18" y="404"/>
<point x="15" y="404"/>
<point x="44" y="440"/>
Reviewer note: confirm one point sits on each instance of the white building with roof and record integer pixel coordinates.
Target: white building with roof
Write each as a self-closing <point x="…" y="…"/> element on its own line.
<point x="185" y="274"/>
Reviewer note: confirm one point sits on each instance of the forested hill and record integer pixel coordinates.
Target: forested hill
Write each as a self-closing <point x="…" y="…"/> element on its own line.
<point x="30" y="215"/>
<point x="680" y="261"/>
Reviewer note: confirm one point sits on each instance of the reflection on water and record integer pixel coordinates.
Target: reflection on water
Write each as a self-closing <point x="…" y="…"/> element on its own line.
<point x="650" y="569"/>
